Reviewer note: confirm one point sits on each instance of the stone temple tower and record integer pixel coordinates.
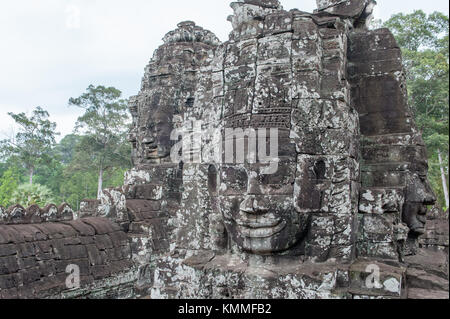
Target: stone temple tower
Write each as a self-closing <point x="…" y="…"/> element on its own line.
<point x="282" y="163"/>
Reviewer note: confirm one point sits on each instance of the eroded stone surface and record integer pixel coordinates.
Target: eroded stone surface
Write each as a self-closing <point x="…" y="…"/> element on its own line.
<point x="34" y="260"/>
<point x="343" y="216"/>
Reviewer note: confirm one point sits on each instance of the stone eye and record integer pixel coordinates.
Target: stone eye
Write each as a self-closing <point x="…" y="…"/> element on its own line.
<point x="235" y="178"/>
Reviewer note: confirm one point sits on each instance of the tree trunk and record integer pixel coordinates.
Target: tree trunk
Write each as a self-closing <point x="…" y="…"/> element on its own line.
<point x="31" y="173"/>
<point x="100" y="183"/>
<point x="444" y="180"/>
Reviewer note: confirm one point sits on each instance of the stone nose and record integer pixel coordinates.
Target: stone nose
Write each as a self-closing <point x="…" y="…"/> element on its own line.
<point x="430" y="197"/>
<point x="247" y="205"/>
<point x="132" y="137"/>
<point x="254" y="205"/>
<point x="149" y="139"/>
<point x="253" y="188"/>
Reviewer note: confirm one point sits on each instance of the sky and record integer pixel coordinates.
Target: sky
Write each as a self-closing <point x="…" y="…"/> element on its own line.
<point x="51" y="50"/>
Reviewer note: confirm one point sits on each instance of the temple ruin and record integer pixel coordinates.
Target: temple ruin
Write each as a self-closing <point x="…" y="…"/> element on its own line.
<point x="349" y="196"/>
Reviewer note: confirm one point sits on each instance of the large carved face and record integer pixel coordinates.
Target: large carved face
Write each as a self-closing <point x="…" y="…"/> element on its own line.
<point x="250" y="9"/>
<point x="155" y="133"/>
<point x="418" y="196"/>
<point x="259" y="210"/>
<point x="242" y="13"/>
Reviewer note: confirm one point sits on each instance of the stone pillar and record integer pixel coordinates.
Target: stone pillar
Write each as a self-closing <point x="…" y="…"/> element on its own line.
<point x="394" y="158"/>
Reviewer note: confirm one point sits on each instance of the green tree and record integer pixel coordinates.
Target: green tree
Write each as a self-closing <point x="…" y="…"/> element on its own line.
<point x="3" y="168"/>
<point x="104" y="127"/>
<point x="50" y="175"/>
<point x="9" y="182"/>
<point x="65" y="149"/>
<point x="78" y="185"/>
<point x="424" y="40"/>
<point x="32" y="194"/>
<point x="32" y="145"/>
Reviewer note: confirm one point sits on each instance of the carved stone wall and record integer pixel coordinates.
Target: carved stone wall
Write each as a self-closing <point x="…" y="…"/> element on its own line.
<point x="348" y="196"/>
<point x="39" y="249"/>
<point x="394" y="167"/>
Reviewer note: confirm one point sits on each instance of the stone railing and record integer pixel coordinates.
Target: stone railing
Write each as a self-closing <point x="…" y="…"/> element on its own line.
<point x="51" y="253"/>
<point x="16" y="215"/>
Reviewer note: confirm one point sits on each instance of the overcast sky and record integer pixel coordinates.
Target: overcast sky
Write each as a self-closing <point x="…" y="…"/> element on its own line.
<point x="51" y="50"/>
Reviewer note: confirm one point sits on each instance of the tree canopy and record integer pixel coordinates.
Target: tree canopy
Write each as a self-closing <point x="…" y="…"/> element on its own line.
<point x="67" y="171"/>
<point x="104" y="128"/>
<point x="32" y="145"/>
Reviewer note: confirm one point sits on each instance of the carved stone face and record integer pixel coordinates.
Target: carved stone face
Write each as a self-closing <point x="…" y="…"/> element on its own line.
<point x="155" y="143"/>
<point x="244" y="12"/>
<point x="259" y="210"/>
<point x="418" y="196"/>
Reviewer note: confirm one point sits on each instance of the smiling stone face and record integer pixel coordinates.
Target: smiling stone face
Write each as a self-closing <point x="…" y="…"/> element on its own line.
<point x="394" y="162"/>
<point x="156" y="144"/>
<point x="259" y="210"/>
<point x="167" y="91"/>
<point x="418" y="197"/>
<point x="272" y="80"/>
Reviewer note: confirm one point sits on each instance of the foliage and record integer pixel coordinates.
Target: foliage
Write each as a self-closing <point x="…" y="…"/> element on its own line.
<point x="9" y="182"/>
<point x="32" y="194"/>
<point x="104" y="127"/>
<point x="31" y="146"/>
<point x="78" y="185"/>
<point x="65" y="149"/>
<point x="66" y="171"/>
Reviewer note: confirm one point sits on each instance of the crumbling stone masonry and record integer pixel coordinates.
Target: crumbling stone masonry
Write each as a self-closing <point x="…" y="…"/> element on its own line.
<point x="344" y="215"/>
<point x="38" y="247"/>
